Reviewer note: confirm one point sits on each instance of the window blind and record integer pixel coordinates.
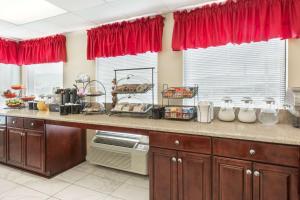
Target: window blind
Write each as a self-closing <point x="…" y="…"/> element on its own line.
<point x="105" y="74"/>
<point x="9" y="75"/>
<point x="42" y="78"/>
<point x="257" y="70"/>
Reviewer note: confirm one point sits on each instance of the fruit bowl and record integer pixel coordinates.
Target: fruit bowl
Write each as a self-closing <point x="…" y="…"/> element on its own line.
<point x="14" y="103"/>
<point x="17" y="87"/>
<point x="9" y="95"/>
<point x="27" y="98"/>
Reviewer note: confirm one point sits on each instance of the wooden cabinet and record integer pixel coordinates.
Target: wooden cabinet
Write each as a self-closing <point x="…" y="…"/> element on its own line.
<point x="177" y="175"/>
<point x="3" y="144"/>
<point x="238" y="180"/>
<point x="163" y="174"/>
<point x="15" y="143"/>
<point x="26" y="144"/>
<point x="32" y="145"/>
<point x="34" y="151"/>
<point x="271" y="182"/>
<point x="194" y="176"/>
<point x="232" y="179"/>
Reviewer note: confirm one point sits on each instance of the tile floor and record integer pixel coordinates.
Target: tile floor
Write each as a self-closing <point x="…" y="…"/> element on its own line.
<point x="83" y="182"/>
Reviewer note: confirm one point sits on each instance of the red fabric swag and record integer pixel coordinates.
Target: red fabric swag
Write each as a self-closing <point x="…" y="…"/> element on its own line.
<point x="125" y="38"/>
<point x="236" y="21"/>
<point x="8" y="51"/>
<point x="44" y="50"/>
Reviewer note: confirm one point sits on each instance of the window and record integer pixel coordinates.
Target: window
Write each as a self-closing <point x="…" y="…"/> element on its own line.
<point x="106" y="67"/>
<point x="257" y="70"/>
<point x="42" y="78"/>
<point x="9" y="75"/>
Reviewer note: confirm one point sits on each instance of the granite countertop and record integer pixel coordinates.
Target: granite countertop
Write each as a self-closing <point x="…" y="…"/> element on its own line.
<point x="280" y="133"/>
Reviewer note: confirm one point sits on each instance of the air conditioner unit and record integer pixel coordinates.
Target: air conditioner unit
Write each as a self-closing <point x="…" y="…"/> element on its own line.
<point x="123" y="151"/>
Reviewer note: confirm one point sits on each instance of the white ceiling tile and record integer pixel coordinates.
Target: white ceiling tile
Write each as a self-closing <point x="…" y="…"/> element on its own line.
<point x="6" y="25"/>
<point x="101" y="14"/>
<point x="19" y="33"/>
<point x="173" y="5"/>
<point x="72" y="5"/>
<point x="134" y="8"/>
<point x="70" y="22"/>
<point x="42" y="27"/>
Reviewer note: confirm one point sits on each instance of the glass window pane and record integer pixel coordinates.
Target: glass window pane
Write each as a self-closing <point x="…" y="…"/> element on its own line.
<point x="9" y="75"/>
<point x="42" y="78"/>
<point x="257" y="70"/>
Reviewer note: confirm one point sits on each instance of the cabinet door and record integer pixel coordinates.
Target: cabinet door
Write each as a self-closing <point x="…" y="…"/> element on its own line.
<point x="194" y="176"/>
<point x="275" y="182"/>
<point x="163" y="174"/>
<point x="14" y="147"/>
<point x="34" y="151"/>
<point x="2" y="144"/>
<point x="232" y="179"/>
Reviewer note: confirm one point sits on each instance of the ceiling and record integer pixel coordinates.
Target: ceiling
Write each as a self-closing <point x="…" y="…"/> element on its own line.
<point x="84" y="14"/>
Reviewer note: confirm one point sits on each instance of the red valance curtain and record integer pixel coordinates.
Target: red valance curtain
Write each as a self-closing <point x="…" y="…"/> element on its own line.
<point x="126" y="38"/>
<point x="43" y="50"/>
<point x="8" y="51"/>
<point x="236" y="21"/>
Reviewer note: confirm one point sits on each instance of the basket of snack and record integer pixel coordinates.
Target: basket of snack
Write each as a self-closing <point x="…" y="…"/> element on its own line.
<point x="132" y="88"/>
<point x="93" y="108"/>
<point x="180" y="112"/>
<point x="180" y="92"/>
<point x="134" y="108"/>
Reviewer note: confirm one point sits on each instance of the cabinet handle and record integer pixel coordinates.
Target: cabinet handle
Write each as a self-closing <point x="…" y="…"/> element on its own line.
<point x="177" y="142"/>
<point x="256" y="173"/>
<point x="252" y="152"/>
<point x="248" y="172"/>
<point x="32" y="124"/>
<point x="179" y="160"/>
<point x="174" y="159"/>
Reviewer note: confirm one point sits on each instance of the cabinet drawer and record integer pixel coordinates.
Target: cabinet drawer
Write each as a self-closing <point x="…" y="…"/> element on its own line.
<point x="34" y="124"/>
<point x="190" y="143"/>
<point x="257" y="151"/>
<point x="15" y="122"/>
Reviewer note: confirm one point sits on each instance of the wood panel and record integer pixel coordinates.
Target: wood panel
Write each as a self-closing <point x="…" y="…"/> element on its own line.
<point x="264" y="152"/>
<point x="14" y="147"/>
<point x="191" y="143"/>
<point x="34" y="151"/>
<point x="230" y="179"/>
<point x="3" y="144"/>
<point x="66" y="147"/>
<point x="163" y="174"/>
<point x="275" y="183"/>
<point x="194" y="176"/>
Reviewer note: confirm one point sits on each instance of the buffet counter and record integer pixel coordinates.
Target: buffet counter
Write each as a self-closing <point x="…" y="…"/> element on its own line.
<point x="280" y="133"/>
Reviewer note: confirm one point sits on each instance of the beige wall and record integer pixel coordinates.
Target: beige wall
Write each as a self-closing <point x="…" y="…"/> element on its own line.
<point x="76" y="55"/>
<point x="294" y="63"/>
<point x="170" y="63"/>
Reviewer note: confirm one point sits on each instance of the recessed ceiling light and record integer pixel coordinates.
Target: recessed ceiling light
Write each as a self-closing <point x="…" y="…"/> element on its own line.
<point x="25" y="11"/>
